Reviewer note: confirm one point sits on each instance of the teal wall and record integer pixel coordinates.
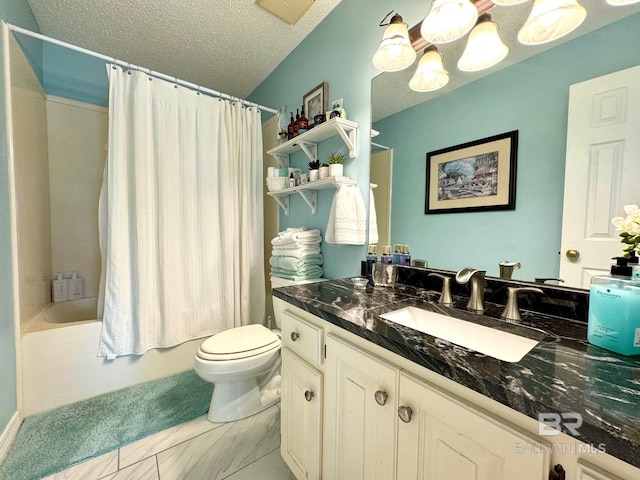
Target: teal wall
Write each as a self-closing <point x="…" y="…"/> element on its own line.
<point x="532" y="97"/>
<point x="339" y="52"/>
<point x="18" y="13"/>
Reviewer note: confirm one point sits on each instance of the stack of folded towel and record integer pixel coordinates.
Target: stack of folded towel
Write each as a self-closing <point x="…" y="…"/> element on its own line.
<point x="296" y="254"/>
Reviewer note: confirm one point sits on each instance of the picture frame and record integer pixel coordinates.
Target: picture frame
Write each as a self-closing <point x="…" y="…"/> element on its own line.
<point x="315" y="102"/>
<point x="473" y="176"/>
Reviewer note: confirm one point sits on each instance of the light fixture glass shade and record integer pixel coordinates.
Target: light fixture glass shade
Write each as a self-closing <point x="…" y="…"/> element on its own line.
<point x="550" y="20"/>
<point x="395" y="52"/>
<point x="448" y="20"/>
<point x="620" y="3"/>
<point x="508" y="3"/>
<point x="484" y="48"/>
<point x="430" y="74"/>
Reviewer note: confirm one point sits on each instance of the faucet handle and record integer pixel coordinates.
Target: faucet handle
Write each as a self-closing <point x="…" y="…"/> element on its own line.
<point x="445" y="296"/>
<point x="511" y="311"/>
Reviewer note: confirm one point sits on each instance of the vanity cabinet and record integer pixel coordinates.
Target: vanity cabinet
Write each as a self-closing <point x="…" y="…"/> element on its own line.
<point x="302" y="396"/>
<point x="439" y="437"/>
<point x="377" y="415"/>
<point x="360" y="410"/>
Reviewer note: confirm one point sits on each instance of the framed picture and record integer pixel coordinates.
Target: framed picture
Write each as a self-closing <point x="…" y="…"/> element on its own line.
<point x="315" y="102"/>
<point x="473" y="176"/>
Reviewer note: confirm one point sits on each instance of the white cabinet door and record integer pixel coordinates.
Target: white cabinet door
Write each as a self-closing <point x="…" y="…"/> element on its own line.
<point x="301" y="421"/>
<point x="360" y="414"/>
<point x="447" y="439"/>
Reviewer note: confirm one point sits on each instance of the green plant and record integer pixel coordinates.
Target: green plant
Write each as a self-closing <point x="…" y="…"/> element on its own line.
<point x="314" y="164"/>
<point x="336" y="157"/>
<point x="323" y="164"/>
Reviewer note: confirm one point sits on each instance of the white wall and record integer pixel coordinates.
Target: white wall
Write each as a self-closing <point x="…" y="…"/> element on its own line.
<point x="78" y="135"/>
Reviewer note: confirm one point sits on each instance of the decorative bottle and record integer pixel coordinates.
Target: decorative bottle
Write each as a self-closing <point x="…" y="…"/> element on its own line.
<point x="283" y="126"/>
<point x="291" y="128"/>
<point x="386" y="258"/>
<point x="303" y="123"/>
<point x="296" y="123"/>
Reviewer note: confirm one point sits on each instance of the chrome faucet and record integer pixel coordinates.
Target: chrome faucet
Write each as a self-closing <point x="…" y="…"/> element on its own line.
<point x="511" y="312"/>
<point x="445" y="296"/>
<point x="476" y="300"/>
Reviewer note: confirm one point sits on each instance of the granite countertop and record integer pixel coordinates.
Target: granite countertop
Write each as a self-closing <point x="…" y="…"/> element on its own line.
<point x="562" y="374"/>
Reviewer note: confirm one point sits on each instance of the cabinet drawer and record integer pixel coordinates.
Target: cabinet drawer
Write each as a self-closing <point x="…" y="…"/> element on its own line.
<point x="302" y="337"/>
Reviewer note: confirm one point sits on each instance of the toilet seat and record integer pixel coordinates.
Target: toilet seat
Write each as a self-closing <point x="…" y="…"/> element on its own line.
<point x="241" y="342"/>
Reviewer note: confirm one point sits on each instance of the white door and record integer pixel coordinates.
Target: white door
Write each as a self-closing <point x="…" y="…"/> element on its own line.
<point x="444" y="439"/>
<point x="301" y="416"/>
<point x="360" y="413"/>
<point x="602" y="171"/>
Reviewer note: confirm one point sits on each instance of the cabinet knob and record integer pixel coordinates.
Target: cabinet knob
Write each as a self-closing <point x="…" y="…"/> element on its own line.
<point x="381" y="397"/>
<point x="308" y="395"/>
<point x="295" y="336"/>
<point x="405" y="413"/>
<point x="572" y="254"/>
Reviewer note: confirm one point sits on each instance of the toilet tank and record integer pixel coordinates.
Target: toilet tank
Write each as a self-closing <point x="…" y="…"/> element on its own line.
<point x="283" y="282"/>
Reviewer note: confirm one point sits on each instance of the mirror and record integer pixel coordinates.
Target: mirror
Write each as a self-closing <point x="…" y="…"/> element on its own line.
<point x="529" y="92"/>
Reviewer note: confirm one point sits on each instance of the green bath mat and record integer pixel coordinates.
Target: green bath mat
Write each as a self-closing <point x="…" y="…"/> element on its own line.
<point x="53" y="441"/>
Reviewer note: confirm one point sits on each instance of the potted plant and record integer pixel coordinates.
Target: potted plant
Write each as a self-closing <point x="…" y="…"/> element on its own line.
<point x="335" y="164"/>
<point x="314" y="166"/>
<point x="324" y="170"/>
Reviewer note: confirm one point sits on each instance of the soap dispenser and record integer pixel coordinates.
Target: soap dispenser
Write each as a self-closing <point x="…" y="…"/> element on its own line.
<point x="614" y="310"/>
<point x="75" y="287"/>
<point x="635" y="265"/>
<point x="59" y="289"/>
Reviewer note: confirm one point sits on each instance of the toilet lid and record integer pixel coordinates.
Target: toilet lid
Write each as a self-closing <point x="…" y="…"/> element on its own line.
<point x="240" y="342"/>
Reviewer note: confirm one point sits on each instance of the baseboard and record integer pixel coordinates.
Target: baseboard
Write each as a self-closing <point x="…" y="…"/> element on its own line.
<point x="9" y="434"/>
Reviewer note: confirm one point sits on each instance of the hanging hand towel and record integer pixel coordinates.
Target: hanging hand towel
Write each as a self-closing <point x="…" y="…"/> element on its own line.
<point x="373" y="220"/>
<point x="347" y="219"/>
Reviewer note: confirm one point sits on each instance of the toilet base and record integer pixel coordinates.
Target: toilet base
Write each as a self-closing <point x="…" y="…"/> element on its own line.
<point x="235" y="400"/>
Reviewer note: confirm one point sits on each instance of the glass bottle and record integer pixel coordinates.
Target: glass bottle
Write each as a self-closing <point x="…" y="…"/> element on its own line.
<point x="291" y="127"/>
<point x="283" y="125"/>
<point x="295" y="123"/>
<point x="303" y="123"/>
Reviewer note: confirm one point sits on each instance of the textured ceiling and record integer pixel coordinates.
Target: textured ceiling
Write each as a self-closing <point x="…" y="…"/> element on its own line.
<point x="391" y="92"/>
<point x="227" y="45"/>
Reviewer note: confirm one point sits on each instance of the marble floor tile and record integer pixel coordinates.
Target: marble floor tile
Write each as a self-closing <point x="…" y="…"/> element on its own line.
<point x="224" y="450"/>
<point x="136" y="451"/>
<point x="92" y="469"/>
<point x="269" y="467"/>
<point x="147" y="469"/>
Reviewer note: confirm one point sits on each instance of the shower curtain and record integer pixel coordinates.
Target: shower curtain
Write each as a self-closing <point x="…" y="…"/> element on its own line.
<point x="180" y="216"/>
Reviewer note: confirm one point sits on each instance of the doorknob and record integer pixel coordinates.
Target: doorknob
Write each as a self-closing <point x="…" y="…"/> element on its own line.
<point x="405" y="413"/>
<point x="308" y="395"/>
<point x="381" y="397"/>
<point x="572" y="254"/>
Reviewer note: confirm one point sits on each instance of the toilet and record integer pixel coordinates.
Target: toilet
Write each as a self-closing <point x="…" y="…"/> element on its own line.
<point x="243" y="363"/>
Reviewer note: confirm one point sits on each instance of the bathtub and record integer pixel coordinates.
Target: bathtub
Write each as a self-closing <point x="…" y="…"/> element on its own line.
<point x="60" y="366"/>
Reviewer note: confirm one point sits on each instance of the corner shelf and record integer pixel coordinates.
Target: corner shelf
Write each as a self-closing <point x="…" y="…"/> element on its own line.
<point x="308" y="141"/>
<point x="308" y="192"/>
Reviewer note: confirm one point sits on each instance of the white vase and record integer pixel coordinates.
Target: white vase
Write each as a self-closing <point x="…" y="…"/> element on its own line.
<point x="335" y="169"/>
<point x="324" y="172"/>
<point x="313" y="175"/>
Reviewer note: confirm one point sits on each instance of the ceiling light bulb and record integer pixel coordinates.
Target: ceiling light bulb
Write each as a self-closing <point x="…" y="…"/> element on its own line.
<point x="448" y="20"/>
<point x="508" y="3"/>
<point x="619" y="3"/>
<point x="430" y="74"/>
<point x="484" y="48"/>
<point x="550" y="20"/>
<point x="395" y="52"/>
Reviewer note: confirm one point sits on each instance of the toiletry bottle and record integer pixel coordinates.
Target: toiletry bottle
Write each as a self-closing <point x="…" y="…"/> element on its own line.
<point x="59" y="289"/>
<point x="292" y="180"/>
<point x="386" y="258"/>
<point x="397" y="252"/>
<point x="635" y="266"/>
<point x="614" y="310"/>
<point x="372" y="259"/>
<point x="74" y="287"/>
<point x="405" y="258"/>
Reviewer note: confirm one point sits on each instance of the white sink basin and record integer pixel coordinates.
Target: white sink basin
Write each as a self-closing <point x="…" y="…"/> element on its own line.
<point x="495" y="343"/>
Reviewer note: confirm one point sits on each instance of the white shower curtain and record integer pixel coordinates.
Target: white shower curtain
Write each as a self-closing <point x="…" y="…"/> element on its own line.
<point x="181" y="216"/>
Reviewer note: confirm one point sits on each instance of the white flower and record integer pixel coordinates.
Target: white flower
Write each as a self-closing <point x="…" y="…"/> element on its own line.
<point x="631" y="224"/>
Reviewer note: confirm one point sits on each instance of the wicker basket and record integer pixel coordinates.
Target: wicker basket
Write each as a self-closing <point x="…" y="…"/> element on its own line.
<point x="277" y="183"/>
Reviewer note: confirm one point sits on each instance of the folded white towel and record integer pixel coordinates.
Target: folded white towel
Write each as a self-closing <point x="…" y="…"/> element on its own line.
<point x="348" y="218"/>
<point x="302" y="238"/>
<point x="373" y="220"/>
<point x="310" y="271"/>
<point x="295" y="252"/>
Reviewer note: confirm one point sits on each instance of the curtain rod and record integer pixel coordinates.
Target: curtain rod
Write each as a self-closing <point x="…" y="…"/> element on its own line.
<point x="153" y="73"/>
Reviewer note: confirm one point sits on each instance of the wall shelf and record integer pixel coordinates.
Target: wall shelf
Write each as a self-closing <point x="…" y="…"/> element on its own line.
<point x="308" y="141"/>
<point x="308" y="192"/>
